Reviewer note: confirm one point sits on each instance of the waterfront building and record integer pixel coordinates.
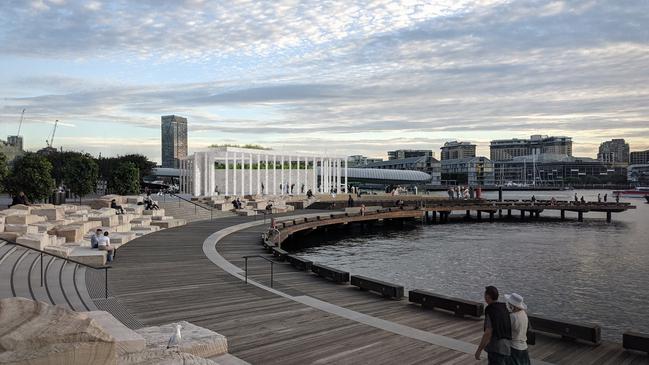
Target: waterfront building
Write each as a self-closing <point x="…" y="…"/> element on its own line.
<point x="426" y="164"/>
<point x="507" y="149"/>
<point x="615" y="151"/>
<point x="233" y="171"/>
<point x="457" y="150"/>
<point x="402" y="154"/>
<point x="360" y="160"/>
<point x="174" y="140"/>
<point x="638" y="175"/>
<point x="472" y="171"/>
<point x="639" y="157"/>
<point x="556" y="170"/>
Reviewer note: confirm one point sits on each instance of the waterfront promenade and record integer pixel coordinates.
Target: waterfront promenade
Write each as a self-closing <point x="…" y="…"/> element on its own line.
<point x="167" y="276"/>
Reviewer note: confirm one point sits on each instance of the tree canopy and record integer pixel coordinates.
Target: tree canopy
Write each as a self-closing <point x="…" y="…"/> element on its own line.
<point x="80" y="174"/>
<point x="4" y="171"/>
<point x="31" y="174"/>
<point x="125" y="179"/>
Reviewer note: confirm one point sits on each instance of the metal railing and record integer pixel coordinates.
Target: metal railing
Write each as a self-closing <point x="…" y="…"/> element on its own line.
<point x="105" y="267"/>
<point x="196" y="205"/>
<point x="261" y="257"/>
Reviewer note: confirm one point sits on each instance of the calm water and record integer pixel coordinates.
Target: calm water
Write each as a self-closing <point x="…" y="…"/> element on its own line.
<point x="592" y="271"/>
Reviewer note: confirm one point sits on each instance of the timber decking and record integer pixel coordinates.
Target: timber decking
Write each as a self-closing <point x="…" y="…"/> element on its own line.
<point x="165" y="277"/>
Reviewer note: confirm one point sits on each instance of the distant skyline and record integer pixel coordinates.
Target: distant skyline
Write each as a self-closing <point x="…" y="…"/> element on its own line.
<point x="356" y="77"/>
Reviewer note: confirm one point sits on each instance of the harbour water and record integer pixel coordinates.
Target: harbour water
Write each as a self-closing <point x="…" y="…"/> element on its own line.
<point x="593" y="271"/>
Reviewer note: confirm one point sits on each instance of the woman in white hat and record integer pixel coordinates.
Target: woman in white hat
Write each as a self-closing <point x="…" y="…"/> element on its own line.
<point x="518" y="316"/>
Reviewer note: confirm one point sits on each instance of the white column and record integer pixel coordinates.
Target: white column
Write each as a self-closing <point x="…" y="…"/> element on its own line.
<point x="196" y="182"/>
<point x="227" y="184"/>
<point x="266" y="173"/>
<point x="250" y="175"/>
<point x="281" y="172"/>
<point x="338" y="174"/>
<point x="274" y="174"/>
<point x="258" y="174"/>
<point x="346" y="176"/>
<point x="234" y="174"/>
<point x="315" y="177"/>
<point x="290" y="174"/>
<point x="297" y="184"/>
<point x="243" y="174"/>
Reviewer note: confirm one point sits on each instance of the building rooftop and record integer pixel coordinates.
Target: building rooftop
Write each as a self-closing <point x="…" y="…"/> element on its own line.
<point x="384" y="174"/>
<point x="409" y="160"/>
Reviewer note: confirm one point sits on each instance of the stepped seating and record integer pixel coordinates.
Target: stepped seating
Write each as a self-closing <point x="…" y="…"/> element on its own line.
<point x="63" y="282"/>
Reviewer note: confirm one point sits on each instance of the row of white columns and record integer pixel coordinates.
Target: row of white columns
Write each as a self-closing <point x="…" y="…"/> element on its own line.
<point x="198" y="174"/>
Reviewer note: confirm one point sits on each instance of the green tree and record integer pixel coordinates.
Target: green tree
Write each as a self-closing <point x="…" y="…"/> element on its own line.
<point x="80" y="174"/>
<point x="32" y="174"/>
<point x="108" y="165"/>
<point x="4" y="171"/>
<point x="125" y="179"/>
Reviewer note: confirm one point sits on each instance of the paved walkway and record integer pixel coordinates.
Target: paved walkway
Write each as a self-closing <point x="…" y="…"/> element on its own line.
<point x="166" y="276"/>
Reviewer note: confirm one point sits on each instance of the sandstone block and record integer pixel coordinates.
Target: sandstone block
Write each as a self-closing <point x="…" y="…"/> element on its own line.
<point x="121" y="237"/>
<point x="89" y="256"/>
<point x="63" y="251"/>
<point x="20" y="228"/>
<point x="154" y="213"/>
<point x="71" y="233"/>
<point x="2" y="219"/>
<point x="36" y="333"/>
<point x="44" y="226"/>
<point x="161" y="218"/>
<point x="34" y="240"/>
<point x="24" y="219"/>
<point x="22" y="207"/>
<point x="52" y="214"/>
<point x="2" y="227"/>
<point x="126" y="340"/>
<point x="196" y="340"/>
<point x="10" y="236"/>
<point x="134" y="199"/>
<point x="245" y="212"/>
<point x="125" y="218"/>
<point x="169" y="223"/>
<point x="134" y="209"/>
<point x="141" y="221"/>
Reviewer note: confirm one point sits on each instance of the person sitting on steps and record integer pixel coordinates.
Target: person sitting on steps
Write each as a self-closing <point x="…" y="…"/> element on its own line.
<point x="118" y="208"/>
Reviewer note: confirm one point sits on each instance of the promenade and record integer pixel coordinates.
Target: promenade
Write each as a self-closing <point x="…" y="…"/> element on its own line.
<point x="166" y="276"/>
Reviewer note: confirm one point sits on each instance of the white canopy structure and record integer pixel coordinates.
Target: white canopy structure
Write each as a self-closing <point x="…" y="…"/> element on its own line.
<point x="235" y="171"/>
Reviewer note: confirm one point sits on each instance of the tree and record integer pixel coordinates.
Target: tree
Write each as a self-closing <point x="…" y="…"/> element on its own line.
<point x="125" y="179"/>
<point x="108" y="165"/>
<point x="31" y="174"/>
<point x="4" y="171"/>
<point x="80" y="174"/>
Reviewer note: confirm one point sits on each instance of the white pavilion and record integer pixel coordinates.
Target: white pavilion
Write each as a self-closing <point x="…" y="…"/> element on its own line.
<point x="233" y="171"/>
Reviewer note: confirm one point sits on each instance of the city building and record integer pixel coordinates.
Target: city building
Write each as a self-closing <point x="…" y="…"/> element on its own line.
<point x="457" y="150"/>
<point x="233" y="171"/>
<point x="15" y="141"/>
<point x="638" y="175"/>
<point x="360" y="160"/>
<point x="472" y="171"/>
<point x="639" y="157"/>
<point x="174" y="140"/>
<point x="556" y="170"/>
<point x="401" y="154"/>
<point x="9" y="150"/>
<point x="615" y="151"/>
<point x="507" y="149"/>
<point x="426" y="164"/>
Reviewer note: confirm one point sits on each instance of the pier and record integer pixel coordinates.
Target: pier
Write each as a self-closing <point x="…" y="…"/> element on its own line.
<point x="196" y="273"/>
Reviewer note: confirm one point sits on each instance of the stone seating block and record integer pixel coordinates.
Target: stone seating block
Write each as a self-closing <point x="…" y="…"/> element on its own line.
<point x="11" y="211"/>
<point x="22" y="207"/>
<point x="134" y="209"/>
<point x="154" y="213"/>
<point x="44" y="226"/>
<point x="121" y="237"/>
<point x="161" y="218"/>
<point x="245" y="212"/>
<point x="125" y="218"/>
<point x="169" y="223"/>
<point x="107" y="211"/>
<point x="223" y="206"/>
<point x="71" y="233"/>
<point x="100" y="203"/>
<point x="63" y="251"/>
<point x="88" y="256"/>
<point x="24" y="219"/>
<point x="2" y="227"/>
<point x="196" y="340"/>
<point x="34" y="240"/>
<point x="126" y="340"/>
<point x="147" y="228"/>
<point x="118" y="228"/>
<point x="134" y="199"/>
<point x="52" y="214"/>
<point x="2" y="219"/>
<point x="77" y="217"/>
<point x="119" y="199"/>
<point x="107" y="221"/>
<point x="260" y="204"/>
<point x="20" y="228"/>
<point x="10" y="236"/>
<point x="141" y="221"/>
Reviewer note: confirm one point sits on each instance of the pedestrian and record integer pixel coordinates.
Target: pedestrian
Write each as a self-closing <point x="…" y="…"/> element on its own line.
<point x="617" y="198"/>
<point x="576" y="200"/>
<point x="533" y="199"/>
<point x="471" y="192"/>
<point x="599" y="198"/>
<point x="583" y="201"/>
<point x="450" y="193"/>
<point x="520" y="323"/>
<point x="496" y="340"/>
<point x="605" y="197"/>
<point x="350" y="201"/>
<point x="478" y="193"/>
<point x="362" y="209"/>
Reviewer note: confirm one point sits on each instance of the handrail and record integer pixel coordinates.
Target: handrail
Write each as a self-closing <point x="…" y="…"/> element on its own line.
<point x="210" y="209"/>
<point x="262" y="257"/>
<point x="105" y="267"/>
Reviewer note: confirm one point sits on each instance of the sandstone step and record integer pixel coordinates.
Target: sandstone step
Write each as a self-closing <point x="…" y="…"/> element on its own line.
<point x="169" y="223"/>
<point x="197" y="340"/>
<point x="126" y="340"/>
<point x="88" y="256"/>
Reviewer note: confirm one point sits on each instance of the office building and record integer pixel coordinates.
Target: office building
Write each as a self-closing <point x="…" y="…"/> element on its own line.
<point x="639" y="157"/>
<point x="360" y="160"/>
<point x="457" y="150"/>
<point x="427" y="164"/>
<point x="472" y="171"/>
<point x="615" y="151"/>
<point x="15" y="141"/>
<point x="507" y="149"/>
<point x="401" y="154"/>
<point x="174" y="140"/>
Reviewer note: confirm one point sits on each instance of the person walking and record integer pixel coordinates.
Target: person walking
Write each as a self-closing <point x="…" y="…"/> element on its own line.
<point x="496" y="340"/>
<point x="599" y="198"/>
<point x="605" y="197"/>
<point x="520" y="323"/>
<point x="350" y="201"/>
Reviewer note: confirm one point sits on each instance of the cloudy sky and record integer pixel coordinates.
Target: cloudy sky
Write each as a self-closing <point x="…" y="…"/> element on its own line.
<point x="351" y="76"/>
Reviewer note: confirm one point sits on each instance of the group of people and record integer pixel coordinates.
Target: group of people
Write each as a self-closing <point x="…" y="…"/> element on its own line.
<point x="505" y="329"/>
<point x="21" y="198"/>
<point x="237" y="203"/>
<point x="464" y="192"/>
<point x="101" y="241"/>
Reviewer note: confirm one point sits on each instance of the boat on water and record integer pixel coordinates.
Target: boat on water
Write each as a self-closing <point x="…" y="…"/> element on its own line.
<point x="638" y="192"/>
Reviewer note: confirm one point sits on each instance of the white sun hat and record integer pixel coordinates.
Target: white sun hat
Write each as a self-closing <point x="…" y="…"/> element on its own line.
<point x="515" y="300"/>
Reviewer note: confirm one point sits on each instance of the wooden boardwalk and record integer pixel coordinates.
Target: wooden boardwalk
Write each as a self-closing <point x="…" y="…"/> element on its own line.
<point x="165" y="277"/>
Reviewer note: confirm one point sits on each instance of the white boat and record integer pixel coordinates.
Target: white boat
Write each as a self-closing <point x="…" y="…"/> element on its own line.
<point x="638" y="192"/>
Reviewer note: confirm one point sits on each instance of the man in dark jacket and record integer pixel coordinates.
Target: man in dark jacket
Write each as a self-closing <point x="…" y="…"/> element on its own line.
<point x="497" y="336"/>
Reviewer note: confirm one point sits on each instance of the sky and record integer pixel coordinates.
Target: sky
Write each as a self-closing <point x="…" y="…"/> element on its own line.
<point x="345" y="77"/>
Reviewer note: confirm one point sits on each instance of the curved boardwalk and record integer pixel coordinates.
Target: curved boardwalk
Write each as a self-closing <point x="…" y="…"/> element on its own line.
<point x="165" y="277"/>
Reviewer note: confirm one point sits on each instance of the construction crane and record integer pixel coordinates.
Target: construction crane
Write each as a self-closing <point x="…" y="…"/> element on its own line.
<point x="51" y="140"/>
<point x="22" y="115"/>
